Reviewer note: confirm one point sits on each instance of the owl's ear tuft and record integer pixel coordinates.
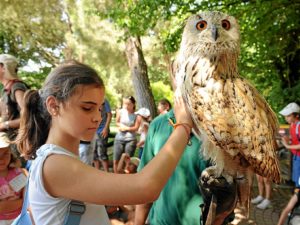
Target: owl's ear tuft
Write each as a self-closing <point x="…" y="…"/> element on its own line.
<point x="198" y="17"/>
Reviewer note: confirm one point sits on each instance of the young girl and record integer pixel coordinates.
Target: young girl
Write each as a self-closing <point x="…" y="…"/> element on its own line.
<point x="143" y="130"/>
<point x="54" y="120"/>
<point x="128" y="124"/>
<point x="11" y="194"/>
<point x="291" y="114"/>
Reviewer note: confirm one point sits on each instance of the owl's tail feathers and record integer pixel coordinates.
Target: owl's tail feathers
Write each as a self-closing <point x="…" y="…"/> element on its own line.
<point x="269" y="168"/>
<point x="244" y="184"/>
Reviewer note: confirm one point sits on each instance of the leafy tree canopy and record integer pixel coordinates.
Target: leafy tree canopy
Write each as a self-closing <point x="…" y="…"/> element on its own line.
<point x="269" y="31"/>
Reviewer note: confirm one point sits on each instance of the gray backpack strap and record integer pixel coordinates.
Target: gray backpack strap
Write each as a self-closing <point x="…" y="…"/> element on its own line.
<point x="75" y="211"/>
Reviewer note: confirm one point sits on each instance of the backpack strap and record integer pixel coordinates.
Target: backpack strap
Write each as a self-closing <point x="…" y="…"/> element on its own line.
<point x="24" y="217"/>
<point x="9" y="85"/>
<point x="297" y="130"/>
<point x="75" y="211"/>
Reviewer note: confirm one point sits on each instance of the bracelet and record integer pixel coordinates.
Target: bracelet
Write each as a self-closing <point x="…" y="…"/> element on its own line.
<point x="6" y="123"/>
<point x="186" y="127"/>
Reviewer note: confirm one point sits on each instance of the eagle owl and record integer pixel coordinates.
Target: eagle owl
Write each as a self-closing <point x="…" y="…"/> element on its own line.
<point x="234" y="121"/>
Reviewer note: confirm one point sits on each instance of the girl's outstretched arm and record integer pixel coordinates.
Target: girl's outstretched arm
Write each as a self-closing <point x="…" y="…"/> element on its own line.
<point x="69" y="178"/>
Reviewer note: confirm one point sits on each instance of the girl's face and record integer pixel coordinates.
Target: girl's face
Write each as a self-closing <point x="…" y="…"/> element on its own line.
<point x="128" y="105"/>
<point x="80" y="116"/>
<point x="130" y="168"/>
<point x="5" y="157"/>
<point x="290" y="118"/>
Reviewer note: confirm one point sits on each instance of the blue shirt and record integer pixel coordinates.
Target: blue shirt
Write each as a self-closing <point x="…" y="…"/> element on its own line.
<point x="105" y="108"/>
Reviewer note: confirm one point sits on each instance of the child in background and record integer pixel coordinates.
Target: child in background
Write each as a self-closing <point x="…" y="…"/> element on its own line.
<point x="124" y="214"/>
<point x="66" y="110"/>
<point x="263" y="200"/>
<point x="145" y="114"/>
<point x="291" y="114"/>
<point x="128" y="164"/>
<point x="12" y="183"/>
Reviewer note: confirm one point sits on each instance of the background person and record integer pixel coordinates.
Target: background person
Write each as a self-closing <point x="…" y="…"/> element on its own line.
<point x="101" y="140"/>
<point x="11" y="98"/>
<point x="11" y="194"/>
<point x="124" y="214"/>
<point x="143" y="130"/>
<point x="179" y="200"/>
<point x="264" y="189"/>
<point x="86" y="152"/>
<point x="128" y="124"/>
<point x="291" y="113"/>
<point x="163" y="106"/>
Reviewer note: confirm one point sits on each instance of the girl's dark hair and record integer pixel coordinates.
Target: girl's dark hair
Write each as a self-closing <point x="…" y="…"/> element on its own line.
<point x="13" y="159"/>
<point x="35" y="118"/>
<point x="132" y="99"/>
<point x="296" y="115"/>
<point x="166" y="103"/>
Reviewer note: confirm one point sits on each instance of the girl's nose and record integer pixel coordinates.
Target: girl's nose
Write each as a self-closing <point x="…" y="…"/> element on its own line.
<point x="98" y="117"/>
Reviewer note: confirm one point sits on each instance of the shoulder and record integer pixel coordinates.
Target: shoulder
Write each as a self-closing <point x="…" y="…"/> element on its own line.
<point x="106" y="104"/>
<point x="162" y="119"/>
<point x="19" y="85"/>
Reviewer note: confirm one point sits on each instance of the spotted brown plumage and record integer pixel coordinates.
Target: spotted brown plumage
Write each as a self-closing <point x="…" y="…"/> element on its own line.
<point x="234" y="121"/>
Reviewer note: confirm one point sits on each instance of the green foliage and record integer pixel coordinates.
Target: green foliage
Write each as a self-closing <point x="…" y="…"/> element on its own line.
<point x="270" y="32"/>
<point x="32" y="29"/>
<point x="49" y="31"/>
<point x="161" y="90"/>
<point x="35" y="79"/>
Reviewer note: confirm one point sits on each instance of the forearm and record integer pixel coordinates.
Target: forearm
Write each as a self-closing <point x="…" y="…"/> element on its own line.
<point x="108" y="119"/>
<point x="8" y="206"/>
<point x="10" y="124"/>
<point x="121" y="163"/>
<point x="141" y="213"/>
<point x="295" y="147"/>
<point x="161" y="167"/>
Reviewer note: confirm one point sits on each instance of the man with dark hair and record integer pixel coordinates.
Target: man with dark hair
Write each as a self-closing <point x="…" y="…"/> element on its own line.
<point x="100" y="150"/>
<point x="163" y="106"/>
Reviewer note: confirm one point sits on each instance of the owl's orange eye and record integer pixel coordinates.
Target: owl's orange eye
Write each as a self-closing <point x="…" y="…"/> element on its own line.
<point x="201" y="25"/>
<point x="226" y="24"/>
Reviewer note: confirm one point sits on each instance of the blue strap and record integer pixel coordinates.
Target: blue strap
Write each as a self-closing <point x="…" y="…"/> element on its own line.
<point x="24" y="217"/>
<point x="25" y="201"/>
<point x="297" y="130"/>
<point x="75" y="211"/>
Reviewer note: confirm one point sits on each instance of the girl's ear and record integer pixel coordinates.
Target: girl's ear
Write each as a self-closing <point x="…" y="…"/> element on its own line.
<point x="52" y="105"/>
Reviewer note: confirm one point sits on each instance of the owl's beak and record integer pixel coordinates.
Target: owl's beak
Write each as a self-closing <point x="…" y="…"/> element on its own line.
<point x="214" y="33"/>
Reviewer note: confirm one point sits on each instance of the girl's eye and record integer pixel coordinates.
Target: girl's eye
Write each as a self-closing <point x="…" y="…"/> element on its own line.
<point x="201" y="25"/>
<point x="226" y="24"/>
<point x="87" y="108"/>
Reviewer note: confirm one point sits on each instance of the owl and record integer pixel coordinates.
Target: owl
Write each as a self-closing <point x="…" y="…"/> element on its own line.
<point x="233" y="120"/>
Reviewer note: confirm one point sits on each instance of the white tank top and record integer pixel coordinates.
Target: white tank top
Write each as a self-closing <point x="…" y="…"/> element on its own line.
<point x="48" y="210"/>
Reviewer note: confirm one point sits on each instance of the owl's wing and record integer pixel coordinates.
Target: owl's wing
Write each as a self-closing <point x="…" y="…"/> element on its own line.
<point x="237" y="119"/>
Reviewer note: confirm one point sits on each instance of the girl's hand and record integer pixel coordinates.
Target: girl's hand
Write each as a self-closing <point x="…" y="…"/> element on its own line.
<point x="285" y="140"/>
<point x="122" y="128"/>
<point x="181" y="113"/>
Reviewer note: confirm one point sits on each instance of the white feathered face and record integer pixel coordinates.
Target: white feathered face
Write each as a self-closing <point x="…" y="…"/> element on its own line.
<point x="211" y="33"/>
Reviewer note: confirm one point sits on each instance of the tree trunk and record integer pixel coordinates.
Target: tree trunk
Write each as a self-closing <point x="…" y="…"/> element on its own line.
<point x="139" y="73"/>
